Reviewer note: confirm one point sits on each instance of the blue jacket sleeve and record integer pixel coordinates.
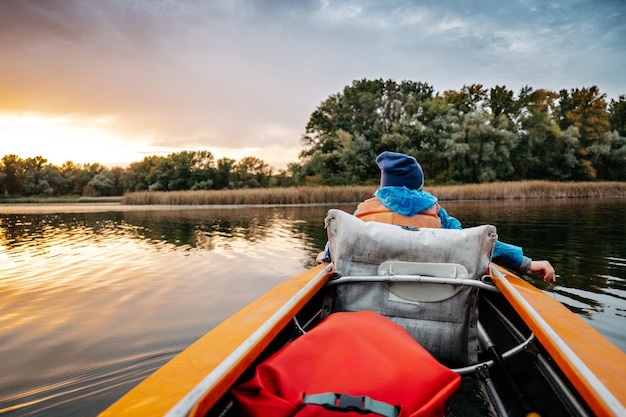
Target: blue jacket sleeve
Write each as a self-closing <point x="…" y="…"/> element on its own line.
<point x="510" y="257"/>
<point x="504" y="254"/>
<point x="326" y="257"/>
<point x="447" y="221"/>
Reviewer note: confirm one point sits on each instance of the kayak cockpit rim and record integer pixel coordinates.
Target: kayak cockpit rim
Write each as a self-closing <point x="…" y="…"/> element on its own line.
<point x="189" y="402"/>
<point x="599" y="389"/>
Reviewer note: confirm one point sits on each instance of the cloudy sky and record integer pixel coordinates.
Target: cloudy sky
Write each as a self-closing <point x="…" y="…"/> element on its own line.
<point x="112" y="81"/>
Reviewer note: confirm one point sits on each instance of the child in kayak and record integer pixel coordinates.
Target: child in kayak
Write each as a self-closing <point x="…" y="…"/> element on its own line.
<point x="401" y="200"/>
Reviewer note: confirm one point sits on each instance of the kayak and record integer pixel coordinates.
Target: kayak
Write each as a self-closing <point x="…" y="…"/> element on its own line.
<point x="401" y="322"/>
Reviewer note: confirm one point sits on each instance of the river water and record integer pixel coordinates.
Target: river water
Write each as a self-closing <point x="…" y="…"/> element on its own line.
<point x="94" y="298"/>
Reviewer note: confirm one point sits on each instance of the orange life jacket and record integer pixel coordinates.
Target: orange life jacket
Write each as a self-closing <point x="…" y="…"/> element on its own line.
<point x="372" y="210"/>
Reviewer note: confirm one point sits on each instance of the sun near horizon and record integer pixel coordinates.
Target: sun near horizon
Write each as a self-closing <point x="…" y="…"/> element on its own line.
<point x="59" y="139"/>
<point x="89" y="140"/>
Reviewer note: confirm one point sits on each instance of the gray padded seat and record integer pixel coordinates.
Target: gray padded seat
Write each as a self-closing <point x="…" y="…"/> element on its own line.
<point x="443" y="320"/>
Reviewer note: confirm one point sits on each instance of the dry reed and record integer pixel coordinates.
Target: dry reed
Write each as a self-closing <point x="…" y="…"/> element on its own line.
<point x="329" y="195"/>
<point x="523" y="190"/>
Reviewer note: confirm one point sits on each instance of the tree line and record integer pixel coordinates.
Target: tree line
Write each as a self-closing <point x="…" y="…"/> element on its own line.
<point x="186" y="170"/>
<point x="472" y="135"/>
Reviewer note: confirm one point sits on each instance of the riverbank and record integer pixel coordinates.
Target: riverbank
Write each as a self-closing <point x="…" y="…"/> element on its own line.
<point x="521" y="190"/>
<point x="60" y="200"/>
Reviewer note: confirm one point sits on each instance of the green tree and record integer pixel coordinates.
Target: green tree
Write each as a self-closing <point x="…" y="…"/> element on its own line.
<point x="141" y="175"/>
<point x="465" y="140"/>
<point x="183" y="170"/>
<point x="504" y="108"/>
<point x="357" y="111"/>
<point x="53" y="177"/>
<point x="501" y="101"/>
<point x="161" y="178"/>
<point x="12" y="169"/>
<point x="283" y="178"/>
<point x="91" y="170"/>
<point x="179" y="170"/>
<point x="3" y="177"/>
<point x="102" y="184"/>
<point x="539" y="134"/>
<point x="252" y="172"/>
<point x="119" y="180"/>
<point x="295" y="172"/>
<point x="439" y="118"/>
<point x="479" y="151"/>
<point x="202" y="170"/>
<point x="348" y="130"/>
<point x="616" y="161"/>
<point x="566" y="163"/>
<point x="224" y="173"/>
<point x="586" y="110"/>
<point x="468" y="99"/>
<point x="34" y="179"/>
<point x="617" y="115"/>
<point x="75" y="178"/>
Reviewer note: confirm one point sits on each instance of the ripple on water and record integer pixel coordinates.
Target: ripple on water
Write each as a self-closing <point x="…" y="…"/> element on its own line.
<point x="60" y="391"/>
<point x="93" y="305"/>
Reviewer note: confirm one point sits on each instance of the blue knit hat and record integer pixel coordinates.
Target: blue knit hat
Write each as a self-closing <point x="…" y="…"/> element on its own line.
<point x="398" y="169"/>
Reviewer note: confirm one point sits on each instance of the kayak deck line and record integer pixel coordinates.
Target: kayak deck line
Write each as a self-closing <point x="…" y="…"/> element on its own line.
<point x="595" y="366"/>
<point x="195" y="380"/>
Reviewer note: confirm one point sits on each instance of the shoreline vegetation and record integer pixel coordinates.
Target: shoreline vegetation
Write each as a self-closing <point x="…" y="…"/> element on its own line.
<point x="72" y="199"/>
<point x="521" y="190"/>
<point x="309" y="195"/>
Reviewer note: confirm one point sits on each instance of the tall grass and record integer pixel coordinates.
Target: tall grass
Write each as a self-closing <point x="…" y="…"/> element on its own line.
<point x="522" y="190"/>
<point x="74" y="199"/>
<point x="329" y="195"/>
<point x="254" y="196"/>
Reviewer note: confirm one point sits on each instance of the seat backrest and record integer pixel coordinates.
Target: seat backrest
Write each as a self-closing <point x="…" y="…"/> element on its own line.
<point x="358" y="247"/>
<point x="444" y="324"/>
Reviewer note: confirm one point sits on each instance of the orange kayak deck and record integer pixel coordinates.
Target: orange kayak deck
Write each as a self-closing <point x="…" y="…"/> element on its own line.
<point x="594" y="365"/>
<point x="197" y="377"/>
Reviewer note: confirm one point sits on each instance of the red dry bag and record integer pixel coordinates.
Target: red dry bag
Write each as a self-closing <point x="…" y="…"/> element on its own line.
<point x="350" y="364"/>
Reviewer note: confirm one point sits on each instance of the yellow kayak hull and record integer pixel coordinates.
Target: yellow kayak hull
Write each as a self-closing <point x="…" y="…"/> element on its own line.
<point x="193" y="382"/>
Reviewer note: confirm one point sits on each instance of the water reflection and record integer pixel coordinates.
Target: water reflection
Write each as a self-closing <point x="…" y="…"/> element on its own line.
<point x="96" y="298"/>
<point x="582" y="238"/>
<point x="94" y="301"/>
<point x="209" y="229"/>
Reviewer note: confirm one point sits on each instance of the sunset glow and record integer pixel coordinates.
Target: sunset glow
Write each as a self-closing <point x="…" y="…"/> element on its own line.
<point x="59" y="139"/>
<point x="64" y="138"/>
<point x="112" y="82"/>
